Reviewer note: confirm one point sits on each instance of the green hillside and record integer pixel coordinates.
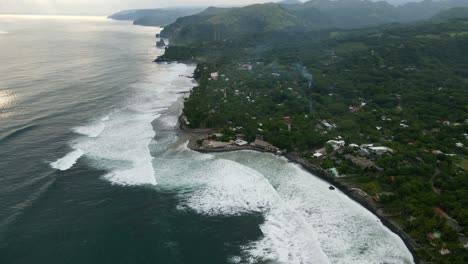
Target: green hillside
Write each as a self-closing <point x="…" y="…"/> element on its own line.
<point x="453" y="13"/>
<point x="230" y="23"/>
<point x="220" y="24"/>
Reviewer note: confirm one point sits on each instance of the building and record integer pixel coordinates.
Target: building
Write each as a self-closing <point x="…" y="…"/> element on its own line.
<point x="328" y="125"/>
<point x="215" y="76"/>
<point x="240" y="142"/>
<point x="444" y="251"/>
<point x="334" y="172"/>
<point x="317" y="155"/>
<point x="336" y="144"/>
<point x="263" y="145"/>
<point x="380" y="150"/>
<point x="362" y="162"/>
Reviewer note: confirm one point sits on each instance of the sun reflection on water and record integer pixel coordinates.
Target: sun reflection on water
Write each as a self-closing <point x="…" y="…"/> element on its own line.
<point x="7" y="99"/>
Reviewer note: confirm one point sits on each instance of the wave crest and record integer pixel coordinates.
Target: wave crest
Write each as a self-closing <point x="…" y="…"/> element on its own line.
<point x="67" y="161"/>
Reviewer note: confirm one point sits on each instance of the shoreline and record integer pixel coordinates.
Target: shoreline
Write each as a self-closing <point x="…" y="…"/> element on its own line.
<point x="192" y="135"/>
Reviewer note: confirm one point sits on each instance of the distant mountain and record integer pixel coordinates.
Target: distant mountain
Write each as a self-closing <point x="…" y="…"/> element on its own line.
<point x="453" y="13"/>
<point x="290" y="2"/>
<point x="154" y="17"/>
<point x="427" y="9"/>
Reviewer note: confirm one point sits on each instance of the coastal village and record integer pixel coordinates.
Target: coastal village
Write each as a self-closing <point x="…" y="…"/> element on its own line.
<point x="338" y="159"/>
<point x="381" y="128"/>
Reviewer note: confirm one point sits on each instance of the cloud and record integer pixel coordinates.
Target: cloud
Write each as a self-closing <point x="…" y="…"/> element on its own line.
<point x="105" y="7"/>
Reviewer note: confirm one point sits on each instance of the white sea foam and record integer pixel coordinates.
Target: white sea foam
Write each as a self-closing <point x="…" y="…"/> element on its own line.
<point x="92" y="130"/>
<point x="119" y="144"/>
<point x="223" y="187"/>
<point x="226" y="189"/>
<point x="346" y="231"/>
<point x="67" y="161"/>
<point x="305" y="222"/>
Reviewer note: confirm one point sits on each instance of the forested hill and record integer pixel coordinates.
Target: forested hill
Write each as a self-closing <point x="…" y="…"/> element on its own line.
<point x="154" y="17"/>
<point x="453" y="13"/>
<point x="221" y="23"/>
<point x="229" y="23"/>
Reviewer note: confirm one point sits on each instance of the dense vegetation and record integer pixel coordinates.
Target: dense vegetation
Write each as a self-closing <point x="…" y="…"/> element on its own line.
<point x="453" y="13"/>
<point x="402" y="87"/>
<point x="220" y="24"/>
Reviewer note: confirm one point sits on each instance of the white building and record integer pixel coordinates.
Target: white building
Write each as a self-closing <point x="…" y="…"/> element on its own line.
<point x="380" y="150"/>
<point x="241" y="142"/>
<point x="336" y="144"/>
<point x="317" y="155"/>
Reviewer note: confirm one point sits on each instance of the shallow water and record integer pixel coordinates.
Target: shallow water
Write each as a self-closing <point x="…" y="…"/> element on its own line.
<point x="92" y="171"/>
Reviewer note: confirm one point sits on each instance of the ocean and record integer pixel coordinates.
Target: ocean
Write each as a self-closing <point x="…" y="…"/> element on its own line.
<point x="92" y="169"/>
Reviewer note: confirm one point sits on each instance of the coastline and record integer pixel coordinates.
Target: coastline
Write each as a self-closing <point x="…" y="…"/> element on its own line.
<point x="192" y="135"/>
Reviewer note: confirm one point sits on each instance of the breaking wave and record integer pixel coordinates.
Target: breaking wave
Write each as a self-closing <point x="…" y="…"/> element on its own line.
<point x="346" y="232"/>
<point x="67" y="161"/>
<point x="220" y="187"/>
<point x="119" y="143"/>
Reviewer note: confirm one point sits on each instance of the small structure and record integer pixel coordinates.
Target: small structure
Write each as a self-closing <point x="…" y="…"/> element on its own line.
<point x="441" y="212"/>
<point x="434" y="235"/>
<point x="463" y="240"/>
<point x="354" y="109"/>
<point x="246" y="66"/>
<point x="380" y="150"/>
<point x="240" y="142"/>
<point x="215" y="76"/>
<point x="336" y="144"/>
<point x="334" y="172"/>
<point x="317" y="155"/>
<point x="362" y="162"/>
<point x="459" y="145"/>
<point x="444" y="251"/>
<point x="328" y="125"/>
<point x="437" y="152"/>
<point x="263" y="145"/>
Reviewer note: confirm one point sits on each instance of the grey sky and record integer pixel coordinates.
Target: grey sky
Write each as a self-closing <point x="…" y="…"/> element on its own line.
<point x="105" y="7"/>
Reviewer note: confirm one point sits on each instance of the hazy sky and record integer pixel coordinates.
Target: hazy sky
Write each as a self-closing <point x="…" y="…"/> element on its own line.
<point x="106" y="7"/>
